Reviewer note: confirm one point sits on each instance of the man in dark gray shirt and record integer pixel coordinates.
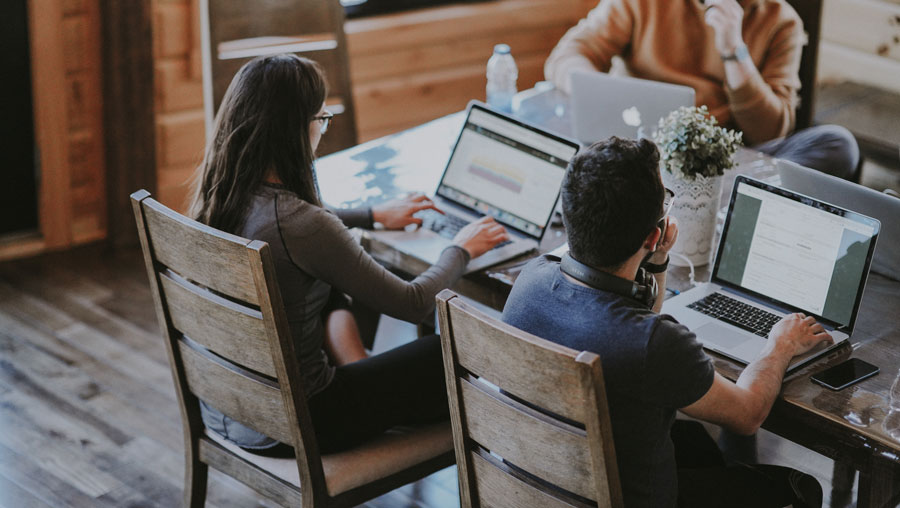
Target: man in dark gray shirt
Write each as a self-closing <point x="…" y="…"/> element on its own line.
<point x="600" y="297"/>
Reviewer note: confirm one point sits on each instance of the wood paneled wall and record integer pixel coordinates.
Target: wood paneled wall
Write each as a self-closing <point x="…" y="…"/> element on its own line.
<point x="179" y="98"/>
<point x="406" y="68"/>
<point x="411" y="67"/>
<point x="84" y="103"/>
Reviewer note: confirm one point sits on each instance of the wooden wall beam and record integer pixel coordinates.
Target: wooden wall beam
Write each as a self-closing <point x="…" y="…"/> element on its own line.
<point x="48" y="73"/>
<point x="128" y="117"/>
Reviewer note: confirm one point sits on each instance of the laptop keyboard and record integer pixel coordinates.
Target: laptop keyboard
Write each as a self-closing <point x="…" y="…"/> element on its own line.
<point x="737" y="313"/>
<point x="447" y="225"/>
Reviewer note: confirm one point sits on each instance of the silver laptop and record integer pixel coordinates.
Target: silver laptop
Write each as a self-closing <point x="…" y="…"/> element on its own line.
<point x="604" y="105"/>
<point x="780" y="252"/>
<point x="850" y="195"/>
<point x="500" y="167"/>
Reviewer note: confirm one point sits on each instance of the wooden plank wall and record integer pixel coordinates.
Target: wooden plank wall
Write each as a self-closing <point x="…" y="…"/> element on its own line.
<point x="81" y="43"/>
<point x="406" y="68"/>
<point x="414" y="66"/>
<point x="861" y="42"/>
<point x="179" y="98"/>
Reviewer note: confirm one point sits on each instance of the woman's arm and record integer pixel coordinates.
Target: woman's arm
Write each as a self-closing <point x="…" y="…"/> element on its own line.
<point x="332" y="254"/>
<point x="394" y="214"/>
<point x="355" y="217"/>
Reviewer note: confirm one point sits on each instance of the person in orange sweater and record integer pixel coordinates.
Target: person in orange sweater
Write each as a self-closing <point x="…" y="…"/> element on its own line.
<point x="741" y="57"/>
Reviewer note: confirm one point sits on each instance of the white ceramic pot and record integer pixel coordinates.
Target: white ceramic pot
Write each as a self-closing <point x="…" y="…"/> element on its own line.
<point x="696" y="204"/>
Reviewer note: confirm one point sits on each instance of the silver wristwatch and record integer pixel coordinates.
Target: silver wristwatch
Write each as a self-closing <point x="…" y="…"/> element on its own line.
<point x="740" y="54"/>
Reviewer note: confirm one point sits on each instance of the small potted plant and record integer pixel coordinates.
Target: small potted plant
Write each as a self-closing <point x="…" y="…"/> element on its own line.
<point x="694" y="154"/>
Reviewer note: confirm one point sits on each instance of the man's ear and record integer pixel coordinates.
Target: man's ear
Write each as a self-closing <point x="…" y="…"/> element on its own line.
<point x="652" y="239"/>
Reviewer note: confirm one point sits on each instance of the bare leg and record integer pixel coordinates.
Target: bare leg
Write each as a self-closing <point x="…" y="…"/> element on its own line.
<point x="342" y="339"/>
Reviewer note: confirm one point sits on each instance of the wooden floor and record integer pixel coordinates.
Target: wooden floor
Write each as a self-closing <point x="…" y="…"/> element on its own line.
<point x="88" y="415"/>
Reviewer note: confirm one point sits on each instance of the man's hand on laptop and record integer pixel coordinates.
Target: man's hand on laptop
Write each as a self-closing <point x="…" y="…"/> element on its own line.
<point x="481" y="236"/>
<point x="796" y="334"/>
<point x="398" y="213"/>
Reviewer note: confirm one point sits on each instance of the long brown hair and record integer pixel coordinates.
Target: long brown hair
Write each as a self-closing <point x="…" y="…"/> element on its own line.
<point x="262" y="126"/>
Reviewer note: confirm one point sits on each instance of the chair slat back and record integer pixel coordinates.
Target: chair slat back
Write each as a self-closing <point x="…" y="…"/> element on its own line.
<point x="234" y="331"/>
<point x="251" y="400"/>
<point x="499" y="488"/>
<point x="235" y="19"/>
<point x="235" y="31"/>
<point x="214" y="259"/>
<point x="227" y="336"/>
<point x="532" y="441"/>
<point x="502" y="355"/>
<point x="538" y="405"/>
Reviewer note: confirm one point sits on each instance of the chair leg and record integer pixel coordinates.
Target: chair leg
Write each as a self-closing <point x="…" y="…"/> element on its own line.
<point x="195" y="476"/>
<point x="842" y="478"/>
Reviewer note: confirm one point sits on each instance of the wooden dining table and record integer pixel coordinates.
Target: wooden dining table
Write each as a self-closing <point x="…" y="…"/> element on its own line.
<point x="858" y="427"/>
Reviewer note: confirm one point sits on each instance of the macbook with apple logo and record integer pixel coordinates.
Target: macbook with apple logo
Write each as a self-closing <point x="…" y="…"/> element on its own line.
<point x="604" y="105"/>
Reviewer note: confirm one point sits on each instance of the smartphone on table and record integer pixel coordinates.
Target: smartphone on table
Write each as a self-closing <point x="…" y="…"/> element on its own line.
<point x="845" y="374"/>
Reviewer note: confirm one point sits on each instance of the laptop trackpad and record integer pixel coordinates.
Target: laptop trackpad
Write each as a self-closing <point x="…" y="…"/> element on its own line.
<point x="723" y="336"/>
<point x="424" y="245"/>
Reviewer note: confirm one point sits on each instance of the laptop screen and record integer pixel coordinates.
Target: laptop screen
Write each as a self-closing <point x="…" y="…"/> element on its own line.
<point x="506" y="169"/>
<point x="795" y="251"/>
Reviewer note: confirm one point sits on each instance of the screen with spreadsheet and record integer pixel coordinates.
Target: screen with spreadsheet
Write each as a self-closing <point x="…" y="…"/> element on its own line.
<point x="509" y="171"/>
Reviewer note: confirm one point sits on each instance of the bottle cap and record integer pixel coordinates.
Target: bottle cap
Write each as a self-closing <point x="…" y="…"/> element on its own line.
<point x="501" y="49"/>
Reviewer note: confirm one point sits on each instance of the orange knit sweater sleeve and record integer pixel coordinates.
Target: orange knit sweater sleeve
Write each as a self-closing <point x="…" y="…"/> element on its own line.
<point x="764" y="107"/>
<point x="591" y="44"/>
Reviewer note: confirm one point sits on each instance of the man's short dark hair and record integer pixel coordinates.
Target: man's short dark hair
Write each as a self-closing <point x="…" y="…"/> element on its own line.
<point x="612" y="198"/>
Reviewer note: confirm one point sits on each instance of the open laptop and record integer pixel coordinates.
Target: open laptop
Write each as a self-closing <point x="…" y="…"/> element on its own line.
<point x="780" y="252"/>
<point x="500" y="167"/>
<point x="851" y="195"/>
<point x="604" y="105"/>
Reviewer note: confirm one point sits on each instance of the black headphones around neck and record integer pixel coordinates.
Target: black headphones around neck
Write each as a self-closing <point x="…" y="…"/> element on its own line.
<point x="644" y="288"/>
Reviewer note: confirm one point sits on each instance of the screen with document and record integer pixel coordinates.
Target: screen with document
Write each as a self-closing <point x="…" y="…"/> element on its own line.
<point x="507" y="170"/>
<point x="796" y="251"/>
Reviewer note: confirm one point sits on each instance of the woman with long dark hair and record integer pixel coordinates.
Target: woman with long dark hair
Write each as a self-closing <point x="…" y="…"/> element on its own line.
<point x="257" y="181"/>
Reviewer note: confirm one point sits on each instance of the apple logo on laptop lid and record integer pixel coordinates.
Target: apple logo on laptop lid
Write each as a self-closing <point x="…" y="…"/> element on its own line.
<point x="632" y="117"/>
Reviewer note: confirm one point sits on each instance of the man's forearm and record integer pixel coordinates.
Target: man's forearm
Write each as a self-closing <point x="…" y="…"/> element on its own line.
<point x="591" y="44"/>
<point x="739" y="72"/>
<point x="763" y="378"/>
<point x="559" y="70"/>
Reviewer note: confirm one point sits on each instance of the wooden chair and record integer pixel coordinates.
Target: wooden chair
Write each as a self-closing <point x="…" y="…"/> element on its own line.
<point x="810" y="12"/>
<point x="218" y="304"/>
<point x="509" y="452"/>
<point x="235" y="31"/>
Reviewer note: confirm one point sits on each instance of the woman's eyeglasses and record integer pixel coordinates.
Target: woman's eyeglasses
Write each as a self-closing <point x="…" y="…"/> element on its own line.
<point x="325" y="118"/>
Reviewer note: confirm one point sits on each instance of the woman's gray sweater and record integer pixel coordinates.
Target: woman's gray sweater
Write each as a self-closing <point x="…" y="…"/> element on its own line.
<point x="314" y="251"/>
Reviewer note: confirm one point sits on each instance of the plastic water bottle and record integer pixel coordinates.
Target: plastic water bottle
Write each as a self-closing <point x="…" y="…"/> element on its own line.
<point x="501" y="79"/>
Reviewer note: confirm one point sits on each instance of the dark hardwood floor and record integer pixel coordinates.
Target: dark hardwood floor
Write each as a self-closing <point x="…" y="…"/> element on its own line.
<point x="88" y="414"/>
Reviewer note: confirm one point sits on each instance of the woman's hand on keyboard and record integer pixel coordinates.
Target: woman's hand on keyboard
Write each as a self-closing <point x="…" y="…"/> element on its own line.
<point x="398" y="213"/>
<point x="481" y="236"/>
